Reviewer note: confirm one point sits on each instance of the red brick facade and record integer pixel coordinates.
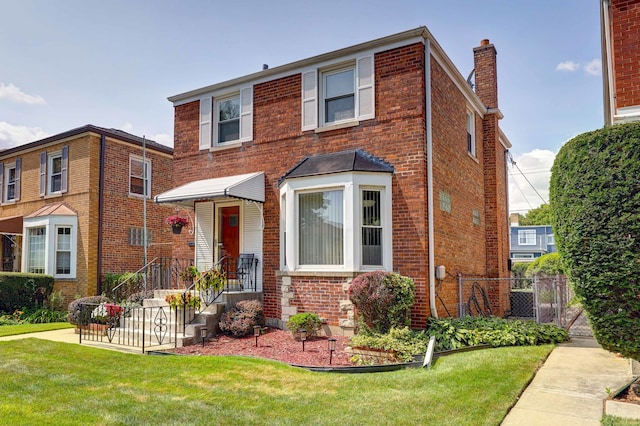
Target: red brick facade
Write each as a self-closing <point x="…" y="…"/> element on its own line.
<point x="625" y="32"/>
<point x="396" y="135"/>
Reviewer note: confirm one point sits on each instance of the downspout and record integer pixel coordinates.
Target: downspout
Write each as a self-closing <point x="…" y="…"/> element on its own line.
<point x="100" y="208"/>
<point x="607" y="64"/>
<point x="427" y="109"/>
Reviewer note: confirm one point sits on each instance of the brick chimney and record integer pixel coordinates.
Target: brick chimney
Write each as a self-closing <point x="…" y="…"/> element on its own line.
<point x="486" y="82"/>
<point x="515" y="219"/>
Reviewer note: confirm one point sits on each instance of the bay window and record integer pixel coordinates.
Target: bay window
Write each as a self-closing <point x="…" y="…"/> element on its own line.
<point x="321" y="228"/>
<point x="51" y="245"/>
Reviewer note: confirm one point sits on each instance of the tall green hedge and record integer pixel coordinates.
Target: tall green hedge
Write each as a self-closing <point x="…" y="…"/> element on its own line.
<point x="595" y="200"/>
<point x="20" y="290"/>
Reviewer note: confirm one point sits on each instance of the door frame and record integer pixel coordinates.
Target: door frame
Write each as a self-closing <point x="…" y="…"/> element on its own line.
<point x="216" y="226"/>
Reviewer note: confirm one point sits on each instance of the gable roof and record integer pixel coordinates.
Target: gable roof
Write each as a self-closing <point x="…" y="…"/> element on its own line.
<point x="114" y="133"/>
<point x="355" y="160"/>
<point x="56" y="209"/>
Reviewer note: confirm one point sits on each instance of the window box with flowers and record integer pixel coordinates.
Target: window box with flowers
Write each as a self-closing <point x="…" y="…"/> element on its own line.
<point x="177" y="223"/>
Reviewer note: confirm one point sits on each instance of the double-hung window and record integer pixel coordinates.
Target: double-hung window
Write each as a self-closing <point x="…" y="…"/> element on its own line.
<point x="63" y="250"/>
<point x="54" y="172"/>
<point x="10" y="181"/>
<point x="139" y="176"/>
<point x="338" y="94"/>
<point x="471" y="133"/>
<point x="371" y="227"/>
<point x="226" y="119"/>
<point x="527" y="237"/>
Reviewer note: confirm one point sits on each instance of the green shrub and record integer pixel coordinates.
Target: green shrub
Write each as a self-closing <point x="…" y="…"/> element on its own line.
<point x="547" y="265"/>
<point x="306" y="321"/>
<point x="21" y="290"/>
<point x="240" y="320"/>
<point x="403" y="341"/>
<point x="383" y="300"/>
<point x="518" y="271"/>
<point x="455" y="333"/>
<point x="595" y="200"/>
<point x="74" y="307"/>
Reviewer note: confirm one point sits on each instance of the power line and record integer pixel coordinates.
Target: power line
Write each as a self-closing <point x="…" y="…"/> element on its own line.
<point x="513" y="163"/>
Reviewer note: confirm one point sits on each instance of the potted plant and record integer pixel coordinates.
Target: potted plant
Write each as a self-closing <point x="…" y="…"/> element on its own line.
<point x="210" y="283"/>
<point x="177" y="222"/>
<point x="185" y="305"/>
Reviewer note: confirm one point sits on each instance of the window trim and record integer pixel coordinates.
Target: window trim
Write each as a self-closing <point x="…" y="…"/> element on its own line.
<point x="351" y="183"/>
<point x="50" y="159"/>
<point x="209" y="113"/>
<point x="57" y="249"/>
<point x="5" y="169"/>
<point x="147" y="162"/>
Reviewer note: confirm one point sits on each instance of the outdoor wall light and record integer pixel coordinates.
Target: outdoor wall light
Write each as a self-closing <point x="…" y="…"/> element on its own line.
<point x="303" y="337"/>
<point x="203" y="334"/>
<point x="256" y="333"/>
<point x="332" y="347"/>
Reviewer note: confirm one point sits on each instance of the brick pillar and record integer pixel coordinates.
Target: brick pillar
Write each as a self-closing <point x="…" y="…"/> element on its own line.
<point x="495" y="178"/>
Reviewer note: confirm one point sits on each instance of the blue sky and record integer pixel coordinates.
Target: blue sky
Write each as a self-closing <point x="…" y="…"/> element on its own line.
<point x="67" y="63"/>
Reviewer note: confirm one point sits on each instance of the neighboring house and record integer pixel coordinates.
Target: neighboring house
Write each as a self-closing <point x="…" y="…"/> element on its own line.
<point x="620" y="34"/>
<point x="71" y="205"/>
<point x="530" y="242"/>
<point x="378" y="156"/>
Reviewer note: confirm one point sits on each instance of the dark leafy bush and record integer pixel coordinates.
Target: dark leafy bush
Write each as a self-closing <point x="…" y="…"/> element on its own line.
<point x="455" y="333"/>
<point x="306" y="321"/>
<point x="73" y="316"/>
<point x="595" y="202"/>
<point x="240" y="320"/>
<point x="518" y="271"/>
<point x="21" y="290"/>
<point x="383" y="300"/>
<point x="52" y="311"/>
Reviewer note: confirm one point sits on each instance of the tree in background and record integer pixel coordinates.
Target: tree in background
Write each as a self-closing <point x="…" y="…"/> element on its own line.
<point x="546" y="265"/>
<point x="539" y="216"/>
<point x="595" y="199"/>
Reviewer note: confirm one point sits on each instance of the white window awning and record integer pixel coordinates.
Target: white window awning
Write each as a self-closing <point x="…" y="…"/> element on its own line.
<point x="248" y="186"/>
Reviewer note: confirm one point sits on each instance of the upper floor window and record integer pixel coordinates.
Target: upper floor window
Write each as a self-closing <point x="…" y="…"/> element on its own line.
<point x="527" y="237"/>
<point x="10" y="181"/>
<point x="471" y="133"/>
<point x="551" y="239"/>
<point x="338" y="94"/>
<point x="226" y="119"/>
<point x="139" y="176"/>
<point x="54" y="172"/>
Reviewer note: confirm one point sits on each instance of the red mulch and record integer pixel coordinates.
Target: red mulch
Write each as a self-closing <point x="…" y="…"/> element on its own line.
<point x="275" y="344"/>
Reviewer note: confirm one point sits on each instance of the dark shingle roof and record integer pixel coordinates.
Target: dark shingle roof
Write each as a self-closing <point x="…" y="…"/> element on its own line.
<point x="338" y="162"/>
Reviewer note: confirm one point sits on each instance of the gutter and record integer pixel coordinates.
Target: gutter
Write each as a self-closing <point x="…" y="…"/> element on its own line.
<point x="103" y="142"/>
<point x="430" y="230"/>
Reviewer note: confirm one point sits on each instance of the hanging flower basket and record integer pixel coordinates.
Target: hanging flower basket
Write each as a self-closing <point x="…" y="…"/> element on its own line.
<point x="177" y="222"/>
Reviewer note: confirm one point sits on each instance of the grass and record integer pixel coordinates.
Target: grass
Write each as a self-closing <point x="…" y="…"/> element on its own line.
<point x="10" y="330"/>
<point x="43" y="382"/>
<point x="619" y="421"/>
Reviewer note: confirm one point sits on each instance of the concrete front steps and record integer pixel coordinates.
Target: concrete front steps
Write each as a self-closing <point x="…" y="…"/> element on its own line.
<point x="162" y="329"/>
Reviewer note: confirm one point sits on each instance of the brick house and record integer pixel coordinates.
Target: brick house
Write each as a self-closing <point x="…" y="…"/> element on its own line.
<point x="375" y="156"/>
<point x="620" y="34"/>
<point x="71" y="205"/>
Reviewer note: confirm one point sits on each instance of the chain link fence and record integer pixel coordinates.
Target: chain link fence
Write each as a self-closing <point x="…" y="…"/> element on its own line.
<point x="543" y="299"/>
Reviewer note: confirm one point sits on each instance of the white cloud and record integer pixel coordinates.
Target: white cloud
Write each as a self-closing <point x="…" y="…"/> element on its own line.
<point x="536" y="168"/>
<point x="594" y="67"/>
<point x="11" y="135"/>
<point x="569" y="66"/>
<point x="13" y="93"/>
<point x="163" y="139"/>
<point x="127" y="127"/>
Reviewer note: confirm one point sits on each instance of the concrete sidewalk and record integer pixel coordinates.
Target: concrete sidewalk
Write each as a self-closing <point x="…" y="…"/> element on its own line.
<point x="68" y="335"/>
<point x="571" y="386"/>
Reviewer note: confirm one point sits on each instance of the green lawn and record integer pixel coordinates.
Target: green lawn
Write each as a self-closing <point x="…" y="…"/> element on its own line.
<point x="10" y="330"/>
<point x="43" y="382"/>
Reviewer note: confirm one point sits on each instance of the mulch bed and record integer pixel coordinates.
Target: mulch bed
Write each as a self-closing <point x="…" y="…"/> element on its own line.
<point x="278" y="345"/>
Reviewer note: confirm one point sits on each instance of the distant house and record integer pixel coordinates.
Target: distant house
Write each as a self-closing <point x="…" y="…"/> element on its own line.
<point x="378" y="156"/>
<point x="530" y="242"/>
<point x="71" y="205"/>
<point x="620" y="34"/>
